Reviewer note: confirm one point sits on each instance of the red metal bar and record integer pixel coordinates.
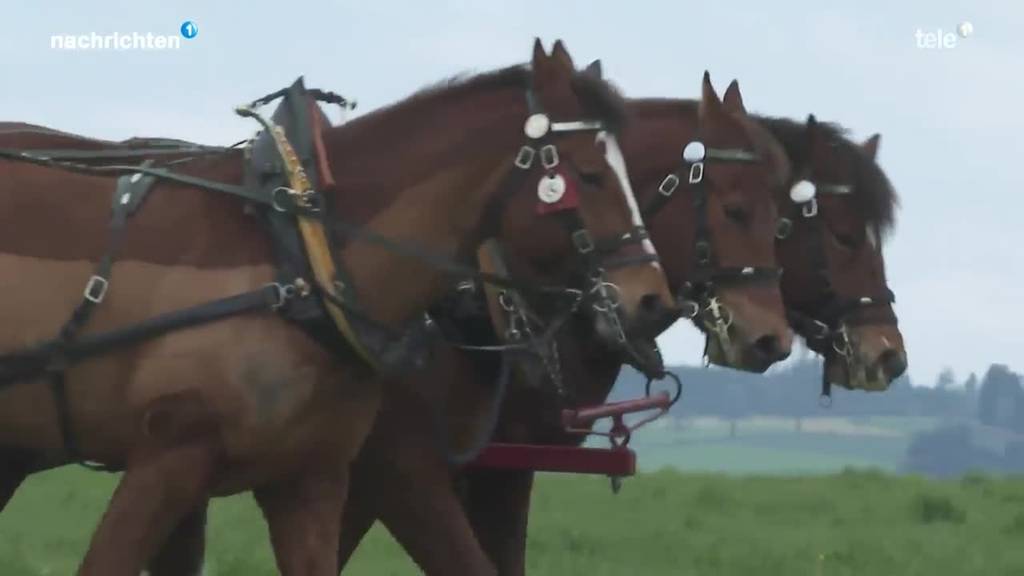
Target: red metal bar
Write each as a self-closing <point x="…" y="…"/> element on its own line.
<point x="584" y="416"/>
<point x="571" y="459"/>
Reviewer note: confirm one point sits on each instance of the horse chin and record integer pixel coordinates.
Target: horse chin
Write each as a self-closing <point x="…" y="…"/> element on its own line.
<point x="644" y="355"/>
<point x="855" y="375"/>
<point x="640" y="352"/>
<point x="733" y="355"/>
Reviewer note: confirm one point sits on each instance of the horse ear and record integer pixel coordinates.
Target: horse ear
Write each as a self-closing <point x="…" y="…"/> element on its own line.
<point x="540" y="56"/>
<point x="709" y="102"/>
<point x="870" y="147"/>
<point x="594" y="70"/>
<point x="561" y="55"/>
<point x="732" y="101"/>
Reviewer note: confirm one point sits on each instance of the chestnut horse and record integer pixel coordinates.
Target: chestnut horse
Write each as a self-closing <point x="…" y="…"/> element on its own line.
<point x="210" y="410"/>
<point x="854" y="197"/>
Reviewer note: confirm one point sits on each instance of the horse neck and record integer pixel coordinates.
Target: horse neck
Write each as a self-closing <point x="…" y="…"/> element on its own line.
<point x="657" y="131"/>
<point x="428" y="170"/>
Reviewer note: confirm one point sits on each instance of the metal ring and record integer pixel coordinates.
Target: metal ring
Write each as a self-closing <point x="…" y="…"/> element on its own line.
<point x="670" y="375"/>
<point x="273" y="197"/>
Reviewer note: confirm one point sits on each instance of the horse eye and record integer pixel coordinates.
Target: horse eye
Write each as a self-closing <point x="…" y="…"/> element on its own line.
<point x="595" y="179"/>
<point x="848" y="241"/>
<point x="737" y="214"/>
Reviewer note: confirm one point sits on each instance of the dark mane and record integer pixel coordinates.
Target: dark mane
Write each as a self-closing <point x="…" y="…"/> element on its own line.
<point x="873" y="193"/>
<point x="600" y="99"/>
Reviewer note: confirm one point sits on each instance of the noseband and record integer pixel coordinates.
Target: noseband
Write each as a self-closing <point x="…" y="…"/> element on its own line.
<point x="697" y="295"/>
<point x="826" y="328"/>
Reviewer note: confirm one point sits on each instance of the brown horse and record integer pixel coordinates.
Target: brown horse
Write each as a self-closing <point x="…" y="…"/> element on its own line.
<point x="214" y="410"/>
<point x="831" y="246"/>
<point x="498" y="501"/>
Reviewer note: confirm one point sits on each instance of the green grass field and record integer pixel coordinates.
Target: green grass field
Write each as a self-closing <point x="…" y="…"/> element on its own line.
<point x="825" y="445"/>
<point x="662" y="523"/>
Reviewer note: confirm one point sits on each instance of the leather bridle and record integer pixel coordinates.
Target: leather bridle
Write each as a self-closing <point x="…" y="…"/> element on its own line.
<point x="825" y="325"/>
<point x="697" y="295"/>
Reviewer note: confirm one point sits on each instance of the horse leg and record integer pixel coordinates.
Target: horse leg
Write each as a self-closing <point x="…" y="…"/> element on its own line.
<point x="360" y="514"/>
<point x="154" y="495"/>
<point x="409" y="485"/>
<point x="304" y="517"/>
<point x="498" y="504"/>
<point x="183" y="552"/>
<point x="14" y="468"/>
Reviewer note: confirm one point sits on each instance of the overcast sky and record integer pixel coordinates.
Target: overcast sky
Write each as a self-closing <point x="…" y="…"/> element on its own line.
<point x="951" y="119"/>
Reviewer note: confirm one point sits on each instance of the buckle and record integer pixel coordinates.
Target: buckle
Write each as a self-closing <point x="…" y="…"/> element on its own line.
<point x="549" y="156"/>
<point x="696" y="172"/>
<point x="96" y="289"/>
<point x="703" y="250"/>
<point x="668" y="185"/>
<point x="524" y="158"/>
<point x="583" y="242"/>
<point x="810" y="209"/>
<point x="283" y="292"/>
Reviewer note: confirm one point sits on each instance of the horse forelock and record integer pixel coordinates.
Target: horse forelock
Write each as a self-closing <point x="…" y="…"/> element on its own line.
<point x="873" y="193"/>
<point x="768" y="147"/>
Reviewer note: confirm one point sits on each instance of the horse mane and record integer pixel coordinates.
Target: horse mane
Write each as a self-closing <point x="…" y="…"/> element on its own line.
<point x="873" y="193"/>
<point x="599" y="98"/>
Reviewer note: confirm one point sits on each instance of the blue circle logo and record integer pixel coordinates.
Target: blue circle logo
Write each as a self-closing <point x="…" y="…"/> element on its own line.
<point x="189" y="29"/>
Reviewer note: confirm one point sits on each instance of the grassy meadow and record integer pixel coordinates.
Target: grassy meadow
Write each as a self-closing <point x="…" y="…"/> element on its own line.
<point x="662" y="523"/>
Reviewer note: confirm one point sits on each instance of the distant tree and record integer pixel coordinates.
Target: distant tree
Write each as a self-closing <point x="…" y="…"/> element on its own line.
<point x="946" y="452"/>
<point x="946" y="379"/>
<point x="971" y="384"/>
<point x="999" y="397"/>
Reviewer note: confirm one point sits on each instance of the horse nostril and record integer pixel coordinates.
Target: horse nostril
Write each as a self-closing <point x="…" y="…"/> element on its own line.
<point x="893" y="363"/>
<point x="770" y="347"/>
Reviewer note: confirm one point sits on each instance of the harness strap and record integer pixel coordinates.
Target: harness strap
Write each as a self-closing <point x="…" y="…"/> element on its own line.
<point x="126" y="196"/>
<point x="29" y="363"/>
<point x="65" y="155"/>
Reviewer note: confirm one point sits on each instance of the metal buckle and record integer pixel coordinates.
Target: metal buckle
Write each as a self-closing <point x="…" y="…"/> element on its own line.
<point x="689" y="308"/>
<point x="524" y="158"/>
<point x="810" y="209"/>
<point x="668" y="185"/>
<point x="549" y="156"/>
<point x="284" y="292"/>
<point x="96" y="289"/>
<point x="583" y="242"/>
<point x="696" y="172"/>
<point x="703" y="250"/>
